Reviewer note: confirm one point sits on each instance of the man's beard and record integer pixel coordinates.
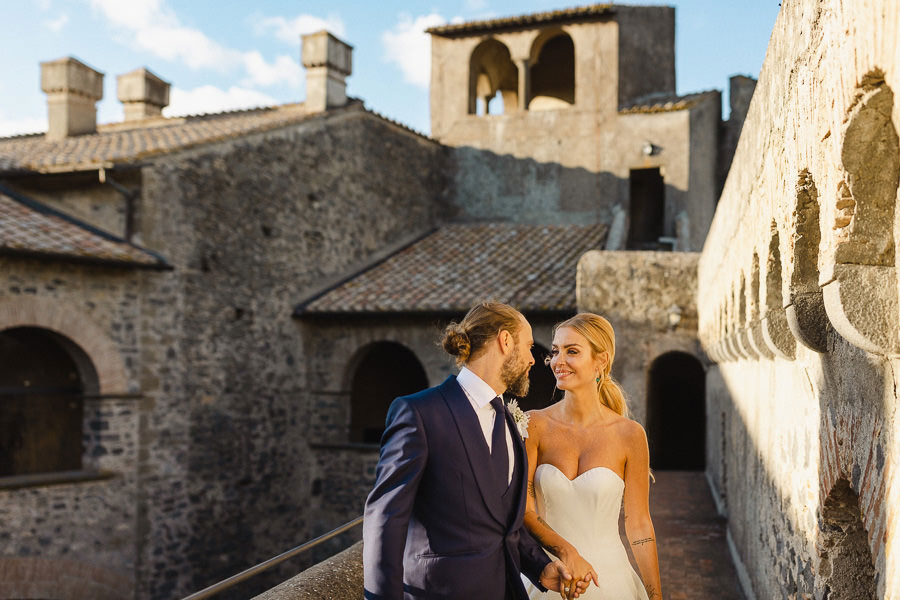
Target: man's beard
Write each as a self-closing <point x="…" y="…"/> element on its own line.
<point x="514" y="374"/>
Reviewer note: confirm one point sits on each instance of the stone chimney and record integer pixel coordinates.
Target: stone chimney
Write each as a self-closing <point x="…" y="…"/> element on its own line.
<point x="142" y="94"/>
<point x="327" y="61"/>
<point x="72" y="89"/>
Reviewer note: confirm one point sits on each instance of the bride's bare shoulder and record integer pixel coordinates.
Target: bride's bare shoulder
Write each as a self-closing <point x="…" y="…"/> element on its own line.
<point x="631" y="432"/>
<point x="538" y="420"/>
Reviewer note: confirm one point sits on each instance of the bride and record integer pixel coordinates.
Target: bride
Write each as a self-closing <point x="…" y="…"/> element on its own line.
<point x="585" y="456"/>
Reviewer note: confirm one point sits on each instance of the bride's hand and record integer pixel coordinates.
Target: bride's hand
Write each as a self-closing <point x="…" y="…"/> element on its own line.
<point x="580" y="568"/>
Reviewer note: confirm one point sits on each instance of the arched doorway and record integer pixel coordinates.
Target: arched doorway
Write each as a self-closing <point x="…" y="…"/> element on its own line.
<point x="676" y="412"/>
<point x="542" y="390"/>
<point x="846" y="569"/>
<point x="384" y="370"/>
<point x="41" y="403"/>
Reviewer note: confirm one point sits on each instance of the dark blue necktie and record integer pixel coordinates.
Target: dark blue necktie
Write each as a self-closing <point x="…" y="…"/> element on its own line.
<point x="499" y="454"/>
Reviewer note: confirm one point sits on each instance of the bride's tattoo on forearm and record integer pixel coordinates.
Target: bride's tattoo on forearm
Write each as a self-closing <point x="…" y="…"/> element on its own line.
<point x="642" y="542"/>
<point x="531" y="491"/>
<point x="652" y="593"/>
<point x="543" y="540"/>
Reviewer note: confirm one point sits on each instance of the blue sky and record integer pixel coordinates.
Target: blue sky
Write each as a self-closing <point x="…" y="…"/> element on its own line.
<point x="222" y="55"/>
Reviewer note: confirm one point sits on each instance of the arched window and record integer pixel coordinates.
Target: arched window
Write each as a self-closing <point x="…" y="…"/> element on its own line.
<point x="41" y="402"/>
<point x="552" y="72"/>
<point x="542" y="390"/>
<point x="492" y="73"/>
<point x="383" y="371"/>
<point x="676" y="412"/>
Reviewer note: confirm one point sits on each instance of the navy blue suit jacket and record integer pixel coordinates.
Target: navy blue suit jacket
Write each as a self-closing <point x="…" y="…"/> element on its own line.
<point x="434" y="523"/>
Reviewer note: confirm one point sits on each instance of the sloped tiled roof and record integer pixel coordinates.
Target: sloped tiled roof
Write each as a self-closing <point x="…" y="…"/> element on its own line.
<point x="530" y="266"/>
<point x="29" y="228"/>
<point x="655" y="103"/>
<point x="132" y="141"/>
<point x="529" y="20"/>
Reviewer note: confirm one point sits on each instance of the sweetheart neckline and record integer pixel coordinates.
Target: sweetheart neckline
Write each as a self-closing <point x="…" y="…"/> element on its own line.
<point x="558" y="470"/>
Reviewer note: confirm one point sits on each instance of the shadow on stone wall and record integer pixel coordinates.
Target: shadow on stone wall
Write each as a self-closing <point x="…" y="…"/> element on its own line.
<point x="502" y="187"/>
<point x="850" y="389"/>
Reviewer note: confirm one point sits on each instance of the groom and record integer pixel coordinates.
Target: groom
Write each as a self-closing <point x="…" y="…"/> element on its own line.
<point x="444" y="519"/>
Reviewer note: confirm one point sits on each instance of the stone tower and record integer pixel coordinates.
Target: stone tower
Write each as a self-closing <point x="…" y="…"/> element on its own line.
<point x="585" y="100"/>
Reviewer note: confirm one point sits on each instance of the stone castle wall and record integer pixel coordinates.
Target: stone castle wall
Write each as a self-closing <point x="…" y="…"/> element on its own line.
<point x="263" y="219"/>
<point x="79" y="534"/>
<point x="637" y="292"/>
<point x="211" y="466"/>
<point x="798" y="308"/>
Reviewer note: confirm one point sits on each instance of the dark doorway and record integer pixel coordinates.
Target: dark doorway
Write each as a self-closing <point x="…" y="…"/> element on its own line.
<point x="648" y="209"/>
<point x="676" y="413"/>
<point x="542" y="390"/>
<point x="41" y="403"/>
<point x="384" y="371"/>
<point x="848" y="569"/>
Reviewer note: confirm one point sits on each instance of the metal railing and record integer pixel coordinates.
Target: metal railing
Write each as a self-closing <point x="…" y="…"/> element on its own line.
<point x="243" y="575"/>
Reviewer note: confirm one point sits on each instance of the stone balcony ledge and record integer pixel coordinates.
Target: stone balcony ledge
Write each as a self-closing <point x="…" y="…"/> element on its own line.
<point x="339" y="577"/>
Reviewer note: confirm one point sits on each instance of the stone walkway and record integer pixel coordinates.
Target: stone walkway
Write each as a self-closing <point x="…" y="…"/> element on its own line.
<point x="694" y="560"/>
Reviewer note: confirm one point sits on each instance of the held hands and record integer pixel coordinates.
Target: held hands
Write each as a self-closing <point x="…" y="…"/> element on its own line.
<point x="556" y="577"/>
<point x="580" y="568"/>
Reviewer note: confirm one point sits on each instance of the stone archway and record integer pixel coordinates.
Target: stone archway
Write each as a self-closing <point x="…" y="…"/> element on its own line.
<point x="41" y="403"/>
<point x="552" y="77"/>
<point x="93" y="343"/>
<point x="492" y="73"/>
<point x="676" y="412"/>
<point x="382" y="372"/>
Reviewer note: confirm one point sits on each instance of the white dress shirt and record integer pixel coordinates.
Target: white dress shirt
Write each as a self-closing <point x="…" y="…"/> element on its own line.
<point x="480" y="395"/>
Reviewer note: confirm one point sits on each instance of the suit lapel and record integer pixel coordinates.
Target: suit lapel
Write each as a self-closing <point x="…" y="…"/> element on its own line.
<point x="473" y="441"/>
<point x="522" y="460"/>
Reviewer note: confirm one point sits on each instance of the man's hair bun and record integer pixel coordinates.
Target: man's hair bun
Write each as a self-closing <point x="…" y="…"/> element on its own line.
<point x="456" y="342"/>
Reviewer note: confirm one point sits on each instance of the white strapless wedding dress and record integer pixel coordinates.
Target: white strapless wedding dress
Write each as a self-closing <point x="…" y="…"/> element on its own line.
<point x="585" y="511"/>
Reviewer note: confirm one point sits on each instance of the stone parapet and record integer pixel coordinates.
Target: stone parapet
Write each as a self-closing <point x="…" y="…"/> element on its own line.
<point x="340" y="576"/>
<point x="798" y="305"/>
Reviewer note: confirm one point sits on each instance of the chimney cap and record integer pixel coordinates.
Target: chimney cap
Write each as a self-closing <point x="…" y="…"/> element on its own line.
<point x="69" y="75"/>
<point x="324" y="49"/>
<point x="143" y="85"/>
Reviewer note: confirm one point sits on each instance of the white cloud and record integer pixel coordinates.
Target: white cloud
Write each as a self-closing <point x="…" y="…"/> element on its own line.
<point x="259" y="72"/>
<point x="153" y="26"/>
<point x="409" y="47"/>
<point x="208" y="98"/>
<point x="9" y="126"/>
<point x="56" y="25"/>
<point x="290" y="30"/>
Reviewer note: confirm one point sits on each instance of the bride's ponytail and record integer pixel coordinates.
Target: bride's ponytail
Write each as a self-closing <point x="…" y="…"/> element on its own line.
<point x="612" y="395"/>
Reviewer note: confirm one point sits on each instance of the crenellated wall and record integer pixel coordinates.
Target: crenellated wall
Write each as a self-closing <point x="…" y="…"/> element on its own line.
<point x="798" y="307"/>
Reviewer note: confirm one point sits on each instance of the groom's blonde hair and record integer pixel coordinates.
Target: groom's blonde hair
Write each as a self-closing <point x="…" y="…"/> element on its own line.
<point x="468" y="338"/>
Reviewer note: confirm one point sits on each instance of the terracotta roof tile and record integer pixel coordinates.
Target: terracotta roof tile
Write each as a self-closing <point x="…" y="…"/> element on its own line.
<point x="529" y="266"/>
<point x="655" y="103"/>
<point x="529" y="20"/>
<point x="132" y="141"/>
<point x="30" y="228"/>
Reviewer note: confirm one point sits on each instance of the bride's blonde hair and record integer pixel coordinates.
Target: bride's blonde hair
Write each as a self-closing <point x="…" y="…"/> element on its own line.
<point x="600" y="335"/>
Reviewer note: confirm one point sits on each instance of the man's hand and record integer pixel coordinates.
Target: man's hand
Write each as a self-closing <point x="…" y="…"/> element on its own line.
<point x="556" y="577"/>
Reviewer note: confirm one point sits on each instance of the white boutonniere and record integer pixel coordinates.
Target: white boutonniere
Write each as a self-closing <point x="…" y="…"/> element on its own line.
<point x="520" y="417"/>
